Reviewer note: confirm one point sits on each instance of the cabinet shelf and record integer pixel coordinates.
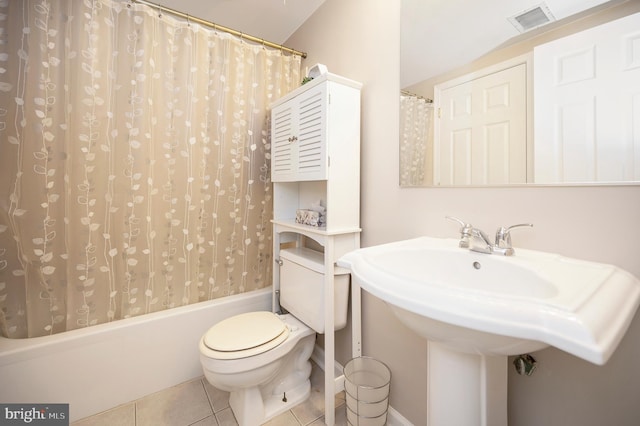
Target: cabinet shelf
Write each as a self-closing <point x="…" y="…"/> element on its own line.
<point x="319" y="230"/>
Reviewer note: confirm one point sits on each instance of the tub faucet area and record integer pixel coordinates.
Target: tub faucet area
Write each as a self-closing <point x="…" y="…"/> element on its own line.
<point x="476" y="240"/>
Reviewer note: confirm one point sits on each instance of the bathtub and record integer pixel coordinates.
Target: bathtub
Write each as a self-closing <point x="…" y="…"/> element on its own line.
<point x="97" y="368"/>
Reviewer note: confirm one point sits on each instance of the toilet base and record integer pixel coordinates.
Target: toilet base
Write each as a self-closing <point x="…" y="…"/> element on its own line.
<point x="251" y="410"/>
<point x="257" y="385"/>
<point x="255" y="405"/>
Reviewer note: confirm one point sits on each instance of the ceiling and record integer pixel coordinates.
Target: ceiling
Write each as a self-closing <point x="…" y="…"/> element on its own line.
<point x="436" y="35"/>
<point x="271" y="20"/>
<point x="456" y="32"/>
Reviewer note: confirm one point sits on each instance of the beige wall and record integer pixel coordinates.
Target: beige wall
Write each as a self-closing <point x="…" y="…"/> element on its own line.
<point x="360" y="40"/>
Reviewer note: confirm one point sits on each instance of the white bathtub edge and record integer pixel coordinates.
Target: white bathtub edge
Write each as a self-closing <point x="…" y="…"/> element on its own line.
<point x="94" y="370"/>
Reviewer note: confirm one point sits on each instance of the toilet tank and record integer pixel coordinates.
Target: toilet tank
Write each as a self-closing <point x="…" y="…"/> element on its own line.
<point x="302" y="288"/>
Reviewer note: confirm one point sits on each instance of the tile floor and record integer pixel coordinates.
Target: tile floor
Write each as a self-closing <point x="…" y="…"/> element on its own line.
<point x="197" y="403"/>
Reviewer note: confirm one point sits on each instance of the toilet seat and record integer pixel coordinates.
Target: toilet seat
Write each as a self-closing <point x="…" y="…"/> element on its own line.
<point x="245" y="335"/>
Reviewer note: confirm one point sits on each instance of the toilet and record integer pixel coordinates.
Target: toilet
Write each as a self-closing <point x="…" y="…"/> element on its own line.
<point x="262" y="358"/>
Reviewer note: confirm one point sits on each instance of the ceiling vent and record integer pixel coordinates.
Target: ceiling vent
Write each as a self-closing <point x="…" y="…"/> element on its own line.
<point x="534" y="17"/>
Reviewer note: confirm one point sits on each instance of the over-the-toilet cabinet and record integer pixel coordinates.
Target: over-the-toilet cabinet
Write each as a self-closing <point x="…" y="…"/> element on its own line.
<point x="315" y="157"/>
<point x="315" y="138"/>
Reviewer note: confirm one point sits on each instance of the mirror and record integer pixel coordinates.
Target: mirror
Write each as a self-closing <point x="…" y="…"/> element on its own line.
<point x="439" y="49"/>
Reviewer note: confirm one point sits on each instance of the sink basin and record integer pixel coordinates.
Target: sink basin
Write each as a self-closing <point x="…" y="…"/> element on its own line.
<point x="499" y="305"/>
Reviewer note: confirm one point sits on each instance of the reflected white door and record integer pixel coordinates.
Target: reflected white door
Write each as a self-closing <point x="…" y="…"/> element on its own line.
<point x="483" y="130"/>
<point x="587" y="113"/>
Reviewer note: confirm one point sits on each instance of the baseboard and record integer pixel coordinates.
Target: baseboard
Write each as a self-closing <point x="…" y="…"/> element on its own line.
<point x="394" y="418"/>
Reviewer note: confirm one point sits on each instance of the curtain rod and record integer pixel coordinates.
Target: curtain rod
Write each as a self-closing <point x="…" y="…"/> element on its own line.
<point x="407" y="93"/>
<point x="222" y="28"/>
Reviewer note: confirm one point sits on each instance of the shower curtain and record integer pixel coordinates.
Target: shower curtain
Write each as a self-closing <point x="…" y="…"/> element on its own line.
<point x="134" y="163"/>
<point x="416" y="141"/>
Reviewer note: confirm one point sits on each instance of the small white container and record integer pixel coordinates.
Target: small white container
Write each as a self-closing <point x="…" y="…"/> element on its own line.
<point x="317" y="70"/>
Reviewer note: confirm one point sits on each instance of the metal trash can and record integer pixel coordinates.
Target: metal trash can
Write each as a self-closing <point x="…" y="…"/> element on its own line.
<point x="366" y="387"/>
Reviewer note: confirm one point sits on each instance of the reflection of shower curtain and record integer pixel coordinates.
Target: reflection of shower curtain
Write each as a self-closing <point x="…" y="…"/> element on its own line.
<point x="416" y="141"/>
<point x="134" y="163"/>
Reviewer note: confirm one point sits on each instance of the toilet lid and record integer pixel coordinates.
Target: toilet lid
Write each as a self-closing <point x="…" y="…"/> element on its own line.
<point x="255" y="332"/>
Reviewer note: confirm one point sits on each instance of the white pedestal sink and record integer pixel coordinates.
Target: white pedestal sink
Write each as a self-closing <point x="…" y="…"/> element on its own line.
<point x="477" y="309"/>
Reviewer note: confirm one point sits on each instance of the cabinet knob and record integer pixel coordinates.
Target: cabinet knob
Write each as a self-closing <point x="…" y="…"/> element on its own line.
<point x="293" y="139"/>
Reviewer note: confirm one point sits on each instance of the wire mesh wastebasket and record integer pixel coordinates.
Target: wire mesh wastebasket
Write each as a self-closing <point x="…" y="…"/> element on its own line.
<point x="366" y="387"/>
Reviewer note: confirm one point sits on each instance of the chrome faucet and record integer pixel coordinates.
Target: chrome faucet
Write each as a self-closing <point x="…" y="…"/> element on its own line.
<point x="480" y="242"/>
<point x="476" y="240"/>
<point x="503" y="238"/>
<point x="465" y="232"/>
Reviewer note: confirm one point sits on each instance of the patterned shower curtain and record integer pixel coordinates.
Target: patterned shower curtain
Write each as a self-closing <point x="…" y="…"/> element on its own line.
<point x="416" y="141"/>
<point x="134" y="163"/>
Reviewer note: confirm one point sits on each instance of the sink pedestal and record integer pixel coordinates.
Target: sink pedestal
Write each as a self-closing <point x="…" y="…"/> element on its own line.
<point x="465" y="389"/>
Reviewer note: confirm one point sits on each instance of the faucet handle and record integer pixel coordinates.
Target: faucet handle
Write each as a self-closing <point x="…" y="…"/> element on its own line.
<point x="465" y="231"/>
<point x="503" y="235"/>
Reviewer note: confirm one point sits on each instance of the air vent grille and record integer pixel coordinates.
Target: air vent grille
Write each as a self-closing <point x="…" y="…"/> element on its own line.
<point x="532" y="18"/>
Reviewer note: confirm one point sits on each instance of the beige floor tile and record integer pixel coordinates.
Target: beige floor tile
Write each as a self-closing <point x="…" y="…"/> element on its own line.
<point x="341" y="418"/>
<point x="209" y="421"/>
<point x="309" y="410"/>
<point x="124" y="415"/>
<point x="285" y="419"/>
<point x="180" y="405"/>
<point x="226" y="418"/>
<point x="219" y="399"/>
<point x="313" y="408"/>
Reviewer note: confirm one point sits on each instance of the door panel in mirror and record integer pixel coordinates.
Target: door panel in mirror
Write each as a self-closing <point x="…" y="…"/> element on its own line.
<point x="587" y="91"/>
<point x="481" y="134"/>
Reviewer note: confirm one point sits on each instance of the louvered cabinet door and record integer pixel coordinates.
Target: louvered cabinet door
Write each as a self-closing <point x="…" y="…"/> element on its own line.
<point x="312" y="141"/>
<point x="299" y="146"/>
<point x="283" y="151"/>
